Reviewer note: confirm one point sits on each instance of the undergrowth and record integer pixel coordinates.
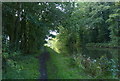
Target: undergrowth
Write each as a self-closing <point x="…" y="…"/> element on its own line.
<point x="20" y="66"/>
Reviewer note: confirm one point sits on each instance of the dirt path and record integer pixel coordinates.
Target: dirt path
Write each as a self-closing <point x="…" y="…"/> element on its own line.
<point x="43" y="69"/>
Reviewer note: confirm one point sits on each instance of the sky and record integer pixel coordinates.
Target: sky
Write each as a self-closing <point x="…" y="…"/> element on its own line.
<point x="53" y="33"/>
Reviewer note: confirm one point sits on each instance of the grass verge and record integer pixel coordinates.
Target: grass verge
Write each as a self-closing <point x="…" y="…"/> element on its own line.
<point x="59" y="67"/>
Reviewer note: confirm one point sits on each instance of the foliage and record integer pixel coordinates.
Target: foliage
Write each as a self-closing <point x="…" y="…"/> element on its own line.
<point x="20" y="67"/>
<point x="27" y="25"/>
<point x="87" y="23"/>
<point x="97" y="68"/>
<point x="115" y="24"/>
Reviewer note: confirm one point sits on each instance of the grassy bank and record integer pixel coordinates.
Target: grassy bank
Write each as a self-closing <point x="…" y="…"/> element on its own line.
<point x="60" y="67"/>
<point x="22" y="67"/>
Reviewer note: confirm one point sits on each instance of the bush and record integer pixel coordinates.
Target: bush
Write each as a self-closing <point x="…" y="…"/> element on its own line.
<point x="97" y="68"/>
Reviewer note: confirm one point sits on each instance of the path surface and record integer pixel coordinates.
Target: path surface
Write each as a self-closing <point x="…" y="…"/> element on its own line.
<point x="43" y="69"/>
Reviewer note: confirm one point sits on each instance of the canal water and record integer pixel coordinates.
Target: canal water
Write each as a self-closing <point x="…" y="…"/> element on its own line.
<point x="98" y="52"/>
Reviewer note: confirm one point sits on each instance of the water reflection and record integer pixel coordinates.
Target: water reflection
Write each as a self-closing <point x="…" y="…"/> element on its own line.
<point x="95" y="53"/>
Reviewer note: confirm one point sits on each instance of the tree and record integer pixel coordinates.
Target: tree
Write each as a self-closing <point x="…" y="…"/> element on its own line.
<point x="27" y="24"/>
<point x="114" y="21"/>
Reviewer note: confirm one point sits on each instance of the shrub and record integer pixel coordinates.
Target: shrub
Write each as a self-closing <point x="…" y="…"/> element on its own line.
<point x="97" y="67"/>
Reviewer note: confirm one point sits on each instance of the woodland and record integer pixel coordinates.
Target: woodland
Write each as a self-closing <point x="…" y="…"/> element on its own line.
<point x="61" y="40"/>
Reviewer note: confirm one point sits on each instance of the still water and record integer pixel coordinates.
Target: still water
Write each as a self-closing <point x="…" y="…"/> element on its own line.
<point x="98" y="52"/>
